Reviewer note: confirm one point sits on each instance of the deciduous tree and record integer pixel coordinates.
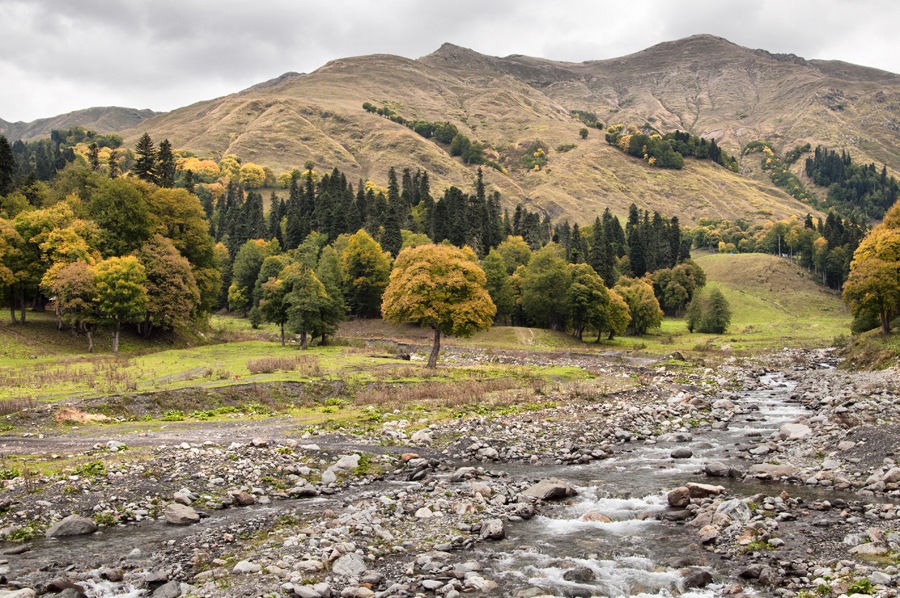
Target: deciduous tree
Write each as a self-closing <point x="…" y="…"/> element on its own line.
<point x="367" y="271"/>
<point x="121" y="292"/>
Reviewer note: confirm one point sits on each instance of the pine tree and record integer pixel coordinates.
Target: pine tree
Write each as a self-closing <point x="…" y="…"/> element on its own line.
<point x="145" y="165"/>
<point x="717" y="315"/>
<point x="94" y="157"/>
<point x="113" y="163"/>
<point x="189" y="185"/>
<point x="391" y="237"/>
<point x="7" y="166"/>
<point x="165" y="165"/>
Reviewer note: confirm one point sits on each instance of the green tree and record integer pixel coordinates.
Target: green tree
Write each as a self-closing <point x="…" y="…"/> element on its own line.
<point x="694" y="315"/>
<point x="515" y="252"/>
<point x="245" y="272"/>
<point x="273" y="303"/>
<point x="441" y="287"/>
<point x="120" y="208"/>
<point x="329" y="273"/>
<point x="75" y="289"/>
<point x="583" y="132"/>
<point x="308" y="305"/>
<point x="717" y="315"/>
<point x="171" y="284"/>
<point x="121" y="292"/>
<point x="7" y="166"/>
<point x="498" y="285"/>
<point x="545" y="288"/>
<point x="588" y="300"/>
<point x="618" y="316"/>
<point x="145" y="165"/>
<point x="367" y="271"/>
<point x="165" y="165"/>
<point x="642" y="304"/>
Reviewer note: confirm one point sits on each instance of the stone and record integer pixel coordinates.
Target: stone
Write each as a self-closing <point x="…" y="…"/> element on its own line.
<point x="580" y="575"/>
<point x="481" y="488"/>
<point x="892" y="476"/>
<point x="73" y="525"/>
<point x="305" y="592"/>
<point x="463" y="473"/>
<point x="723" y="404"/>
<point x="732" y="511"/>
<point x="703" y="490"/>
<point x="596" y="517"/>
<point x="865" y="550"/>
<point x="696" y="578"/>
<point x="348" y="462"/>
<point x="23" y="593"/>
<point x="715" y="469"/>
<point x="357" y="592"/>
<point x="310" y="565"/>
<point x="493" y="529"/>
<point x="246" y="567"/>
<point x="349" y="565"/>
<point x="259" y="442"/>
<point x="679" y="497"/>
<point x="178" y="514"/>
<point x="243" y="499"/>
<point x="768" y="470"/>
<point x="794" y="431"/>
<point x="682" y="453"/>
<point x="421" y="437"/>
<point x="424" y="513"/>
<point x="551" y="489"/>
<point x="708" y="534"/>
<point x="171" y="589"/>
<point x="306" y="490"/>
<point x="182" y="498"/>
<point x="879" y="579"/>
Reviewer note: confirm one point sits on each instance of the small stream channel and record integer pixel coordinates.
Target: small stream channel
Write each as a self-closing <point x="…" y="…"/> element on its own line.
<point x="632" y="555"/>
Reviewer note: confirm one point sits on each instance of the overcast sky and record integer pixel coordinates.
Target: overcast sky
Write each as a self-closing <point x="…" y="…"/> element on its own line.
<point x="62" y="55"/>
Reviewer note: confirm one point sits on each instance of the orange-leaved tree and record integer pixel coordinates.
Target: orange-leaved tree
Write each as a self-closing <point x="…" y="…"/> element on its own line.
<point x="873" y="286"/>
<point x="442" y="287"/>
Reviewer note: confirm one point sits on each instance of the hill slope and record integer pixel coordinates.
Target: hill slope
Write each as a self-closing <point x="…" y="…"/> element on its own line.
<point x="103" y="120"/>
<point x="703" y="84"/>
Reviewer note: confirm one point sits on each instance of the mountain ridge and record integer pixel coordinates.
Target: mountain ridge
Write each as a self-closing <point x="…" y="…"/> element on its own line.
<point x="102" y="119"/>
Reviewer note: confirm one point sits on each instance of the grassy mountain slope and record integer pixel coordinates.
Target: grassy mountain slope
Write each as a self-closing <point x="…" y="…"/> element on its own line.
<point x="101" y="119"/>
<point x="703" y="84"/>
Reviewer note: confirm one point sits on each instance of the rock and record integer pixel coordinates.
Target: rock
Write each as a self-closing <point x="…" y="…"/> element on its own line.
<point x="349" y="565"/>
<point x="768" y="577"/>
<point x="580" y="575"/>
<point x="424" y="513"/>
<point x="869" y="550"/>
<point x="259" y="442"/>
<point x="892" y="476"/>
<point x="696" y="578"/>
<point x="703" y="490"/>
<point x="23" y="593"/>
<point x="463" y="473"/>
<point x="73" y="525"/>
<point x="493" y="529"/>
<point x="113" y="575"/>
<point x="406" y="457"/>
<point x="421" y="437"/>
<point x="170" y="589"/>
<point x="303" y="491"/>
<point x="178" y="514"/>
<point x="182" y="498"/>
<point x="246" y="567"/>
<point x="879" y="579"/>
<point x="724" y="405"/>
<point x="682" y="453"/>
<point x="306" y="592"/>
<point x="481" y="488"/>
<point x="679" y="497"/>
<point x="244" y="499"/>
<point x="551" y="489"/>
<point x="732" y="511"/>
<point x="596" y="517"/>
<point x="760" y="450"/>
<point x="357" y="592"/>
<point x="708" y="533"/>
<point x="715" y="469"/>
<point x="768" y="470"/>
<point x="794" y="431"/>
<point x="115" y="446"/>
<point x="348" y="462"/>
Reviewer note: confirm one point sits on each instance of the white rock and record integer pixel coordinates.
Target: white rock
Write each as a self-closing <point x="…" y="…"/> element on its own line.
<point x="794" y="431"/>
<point x="246" y="567"/>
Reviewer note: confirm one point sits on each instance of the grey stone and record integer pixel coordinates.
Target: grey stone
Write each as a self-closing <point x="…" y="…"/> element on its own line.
<point x="794" y="431"/>
<point x="679" y="497"/>
<point x="303" y="491"/>
<point x="580" y="575"/>
<point x="731" y="511"/>
<point x="682" y="453"/>
<point x="493" y="529"/>
<point x="246" y="567"/>
<point x="551" y="489"/>
<point x="178" y="514"/>
<point x="349" y="565"/>
<point x="306" y="592"/>
<point x="170" y="589"/>
<point x="73" y="525"/>
<point x="696" y="578"/>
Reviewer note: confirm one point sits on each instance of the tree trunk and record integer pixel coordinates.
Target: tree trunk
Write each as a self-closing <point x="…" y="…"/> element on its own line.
<point x="22" y="305"/>
<point x="115" y="346"/>
<point x="90" y="337"/>
<point x="435" y="349"/>
<point x="579" y="333"/>
<point x="303" y="341"/>
<point x="12" y="308"/>
<point x="282" y="334"/>
<point x="885" y="322"/>
<point x="599" y="334"/>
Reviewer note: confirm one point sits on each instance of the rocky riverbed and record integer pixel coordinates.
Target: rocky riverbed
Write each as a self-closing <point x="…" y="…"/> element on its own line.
<point x="771" y="476"/>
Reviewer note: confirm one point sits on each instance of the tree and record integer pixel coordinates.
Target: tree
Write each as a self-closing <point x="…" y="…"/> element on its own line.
<point x="245" y="272"/>
<point x="642" y="304"/>
<point x="498" y="285"/>
<point x="145" y="165"/>
<point x="171" y="284"/>
<point x="545" y="287"/>
<point x="717" y="315"/>
<point x="873" y="286"/>
<point x="272" y="304"/>
<point x="694" y="315"/>
<point x="75" y="288"/>
<point x="588" y="299"/>
<point x="441" y="287"/>
<point x="307" y="304"/>
<point x="618" y="316"/>
<point x="329" y="273"/>
<point x="583" y="132"/>
<point x="7" y="166"/>
<point x="165" y="165"/>
<point x="121" y="294"/>
<point x="120" y="209"/>
<point x="367" y="270"/>
<point x="252" y="176"/>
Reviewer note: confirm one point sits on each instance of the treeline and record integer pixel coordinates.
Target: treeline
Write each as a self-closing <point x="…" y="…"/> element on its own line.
<point x="779" y="169"/>
<point x="446" y="133"/>
<point x="669" y="150"/>
<point x="824" y="247"/>
<point x="41" y="159"/>
<point x="863" y="191"/>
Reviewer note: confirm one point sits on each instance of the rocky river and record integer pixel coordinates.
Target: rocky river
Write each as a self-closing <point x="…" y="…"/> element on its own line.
<point x="772" y="476"/>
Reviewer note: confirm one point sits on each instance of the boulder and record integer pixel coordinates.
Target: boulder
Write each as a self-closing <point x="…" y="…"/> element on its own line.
<point x="246" y="567"/>
<point x="493" y="529"/>
<point x="892" y="476"/>
<point x="349" y="565"/>
<point x="715" y="469"/>
<point x="178" y="514"/>
<point x="551" y="489"/>
<point x="768" y="470"/>
<point x="708" y="533"/>
<point x="73" y="525"/>
<point x="732" y="511"/>
<point x="348" y="462"/>
<point x="679" y="497"/>
<point x="171" y="589"/>
<point x="696" y="578"/>
<point x="596" y="517"/>
<point x="682" y="453"/>
<point x="243" y="499"/>
<point x="794" y="431"/>
<point x="703" y="490"/>
<point x="303" y="491"/>
<point x="580" y="575"/>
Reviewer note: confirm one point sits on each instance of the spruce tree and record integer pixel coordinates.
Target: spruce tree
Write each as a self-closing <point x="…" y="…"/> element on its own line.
<point x="165" y="165"/>
<point x="391" y="237"/>
<point x="189" y="185"/>
<point x="7" y="166"/>
<point x="717" y="316"/>
<point x="145" y="165"/>
<point x="113" y="163"/>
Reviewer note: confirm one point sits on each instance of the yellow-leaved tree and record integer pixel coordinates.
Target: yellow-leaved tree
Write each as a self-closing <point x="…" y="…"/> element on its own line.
<point x="442" y="287"/>
<point x="873" y="286"/>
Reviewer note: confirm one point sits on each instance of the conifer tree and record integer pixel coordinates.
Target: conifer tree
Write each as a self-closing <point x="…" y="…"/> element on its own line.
<point x="145" y="165"/>
<point x="7" y="166"/>
<point x="165" y="165"/>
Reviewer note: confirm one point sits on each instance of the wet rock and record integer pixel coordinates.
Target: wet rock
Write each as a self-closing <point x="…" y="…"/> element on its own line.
<point x="113" y="575"/>
<point x="768" y="470"/>
<point x="794" y="431"/>
<point x="708" y="534"/>
<point x="463" y="473"/>
<point x="679" y="497"/>
<point x="23" y="593"/>
<point x="243" y="499"/>
<point x="551" y="489"/>
<point x="696" y="578"/>
<point x="732" y="511"/>
<point x="306" y="490"/>
<point x="493" y="529"/>
<point x="73" y="525"/>
<point x="596" y="517"/>
<point x="703" y="490"/>
<point x="171" y="589"/>
<point x="682" y="453"/>
<point x="580" y="575"/>
<point x="178" y="514"/>
<point x="349" y="565"/>
<point x="715" y="469"/>
<point x="57" y="586"/>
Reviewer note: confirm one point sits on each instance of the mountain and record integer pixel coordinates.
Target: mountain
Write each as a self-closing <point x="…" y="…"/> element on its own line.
<point x="103" y="120"/>
<point x="702" y="84"/>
